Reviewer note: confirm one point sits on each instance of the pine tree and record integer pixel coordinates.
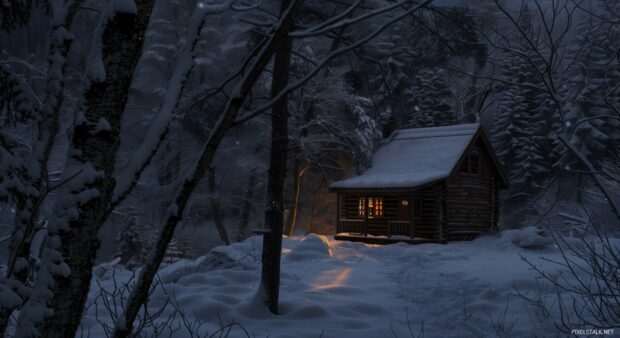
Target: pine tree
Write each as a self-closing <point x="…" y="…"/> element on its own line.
<point x="15" y="14"/>
<point x="367" y="132"/>
<point x="523" y="133"/>
<point x="429" y="99"/>
<point x="173" y="253"/>
<point x="134" y="241"/>
<point x="17" y="103"/>
<point x="593" y="80"/>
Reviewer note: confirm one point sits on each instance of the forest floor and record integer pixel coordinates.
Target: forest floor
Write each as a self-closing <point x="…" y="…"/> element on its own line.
<point x="342" y="289"/>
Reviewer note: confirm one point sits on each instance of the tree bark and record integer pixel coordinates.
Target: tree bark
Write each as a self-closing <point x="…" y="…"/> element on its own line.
<point x="140" y="291"/>
<point x="272" y="241"/>
<point x="64" y="279"/>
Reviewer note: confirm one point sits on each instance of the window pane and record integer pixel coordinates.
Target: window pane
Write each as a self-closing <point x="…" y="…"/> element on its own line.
<point x="375" y="207"/>
<point x="361" y="207"/>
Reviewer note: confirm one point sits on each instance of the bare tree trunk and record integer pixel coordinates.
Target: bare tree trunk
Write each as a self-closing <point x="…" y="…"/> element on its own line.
<point x="64" y="278"/>
<point x="247" y="205"/>
<point x="272" y="241"/>
<point x="215" y="209"/>
<point x="140" y="291"/>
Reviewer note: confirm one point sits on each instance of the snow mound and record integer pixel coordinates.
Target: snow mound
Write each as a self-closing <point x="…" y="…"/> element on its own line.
<point x="312" y="247"/>
<point x="243" y="256"/>
<point x="532" y="238"/>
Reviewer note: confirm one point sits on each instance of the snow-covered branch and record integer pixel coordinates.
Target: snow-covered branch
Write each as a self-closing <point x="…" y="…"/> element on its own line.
<point x="338" y="52"/>
<point x="159" y="128"/>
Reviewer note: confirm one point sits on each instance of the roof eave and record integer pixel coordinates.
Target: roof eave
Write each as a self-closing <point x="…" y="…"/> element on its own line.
<point x="403" y="188"/>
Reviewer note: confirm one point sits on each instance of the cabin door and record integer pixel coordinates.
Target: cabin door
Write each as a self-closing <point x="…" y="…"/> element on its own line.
<point x="403" y="209"/>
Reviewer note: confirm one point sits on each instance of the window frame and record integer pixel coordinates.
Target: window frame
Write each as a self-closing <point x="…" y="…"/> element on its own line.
<point x="361" y="207"/>
<point x="377" y="208"/>
<point x="466" y="164"/>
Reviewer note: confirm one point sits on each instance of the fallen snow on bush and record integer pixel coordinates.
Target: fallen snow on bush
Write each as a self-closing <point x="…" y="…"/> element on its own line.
<point x="342" y="289"/>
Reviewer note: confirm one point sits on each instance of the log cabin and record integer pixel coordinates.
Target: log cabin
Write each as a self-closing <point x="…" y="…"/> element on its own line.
<point x="424" y="185"/>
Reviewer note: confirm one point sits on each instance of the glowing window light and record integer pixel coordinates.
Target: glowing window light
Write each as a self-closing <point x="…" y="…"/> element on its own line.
<point x="375" y="207"/>
<point x="361" y="207"/>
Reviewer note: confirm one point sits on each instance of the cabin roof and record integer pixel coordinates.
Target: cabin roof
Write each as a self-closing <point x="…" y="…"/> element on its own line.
<point x="410" y="158"/>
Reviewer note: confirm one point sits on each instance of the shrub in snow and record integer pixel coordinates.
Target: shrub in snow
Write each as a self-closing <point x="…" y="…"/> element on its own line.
<point x="587" y="288"/>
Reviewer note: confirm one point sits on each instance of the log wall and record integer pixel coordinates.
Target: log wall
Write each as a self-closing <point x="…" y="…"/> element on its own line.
<point x="472" y="205"/>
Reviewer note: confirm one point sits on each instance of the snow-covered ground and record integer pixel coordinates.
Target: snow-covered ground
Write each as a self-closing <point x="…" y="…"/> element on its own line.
<point x="334" y="288"/>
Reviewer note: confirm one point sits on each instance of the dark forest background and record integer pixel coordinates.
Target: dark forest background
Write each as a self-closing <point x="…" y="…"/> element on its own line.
<point x="106" y="118"/>
<point x="453" y="62"/>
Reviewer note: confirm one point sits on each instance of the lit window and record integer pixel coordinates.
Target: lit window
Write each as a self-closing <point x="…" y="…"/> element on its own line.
<point x="375" y="207"/>
<point x="361" y="207"/>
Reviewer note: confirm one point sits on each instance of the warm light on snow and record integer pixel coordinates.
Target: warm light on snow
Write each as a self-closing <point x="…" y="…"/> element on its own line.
<point x="331" y="279"/>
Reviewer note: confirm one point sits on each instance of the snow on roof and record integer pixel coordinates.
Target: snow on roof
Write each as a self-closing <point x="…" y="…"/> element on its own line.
<point x="413" y="157"/>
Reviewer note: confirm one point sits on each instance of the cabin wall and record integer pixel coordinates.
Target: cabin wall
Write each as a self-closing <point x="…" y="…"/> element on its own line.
<point x="472" y="205"/>
<point x="426" y="225"/>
